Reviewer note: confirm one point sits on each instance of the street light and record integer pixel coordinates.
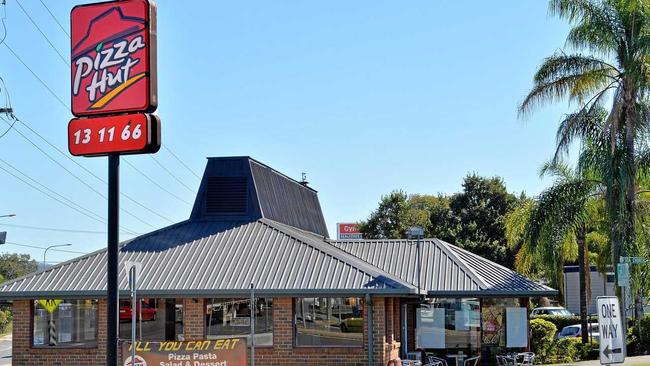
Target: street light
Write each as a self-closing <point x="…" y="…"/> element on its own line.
<point x="50" y="247"/>
<point x="416" y="232"/>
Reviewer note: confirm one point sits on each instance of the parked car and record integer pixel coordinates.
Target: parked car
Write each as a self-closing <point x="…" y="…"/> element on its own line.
<point x="148" y="312"/>
<point x="354" y="325"/>
<point x="576" y="331"/>
<point x="551" y="310"/>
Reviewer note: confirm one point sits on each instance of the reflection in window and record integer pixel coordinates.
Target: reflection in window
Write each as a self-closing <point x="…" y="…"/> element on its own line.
<point x="156" y="319"/>
<point x="324" y="321"/>
<point x="449" y="324"/>
<point x="226" y="318"/>
<point x="70" y="323"/>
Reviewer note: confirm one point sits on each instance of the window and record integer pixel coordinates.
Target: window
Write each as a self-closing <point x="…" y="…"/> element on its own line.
<point x="226" y="318"/>
<point x="65" y="323"/>
<point x="325" y="321"/>
<point x="156" y="319"/>
<point x="449" y="324"/>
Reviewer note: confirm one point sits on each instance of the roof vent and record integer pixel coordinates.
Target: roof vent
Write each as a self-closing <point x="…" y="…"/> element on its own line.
<point x="227" y="196"/>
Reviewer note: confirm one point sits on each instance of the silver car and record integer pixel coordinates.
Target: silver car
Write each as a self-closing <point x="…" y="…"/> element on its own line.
<point x="575" y="331"/>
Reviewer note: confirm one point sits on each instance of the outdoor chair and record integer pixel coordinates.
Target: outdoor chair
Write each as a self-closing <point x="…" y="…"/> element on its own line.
<point x="527" y="358"/>
<point x="472" y="361"/>
<point x="415" y="356"/>
<point x="435" y="361"/>
<point x="505" y="361"/>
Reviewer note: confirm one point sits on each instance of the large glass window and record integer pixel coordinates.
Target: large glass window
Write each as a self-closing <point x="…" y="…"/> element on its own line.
<point x="326" y="321"/>
<point x="449" y="324"/>
<point x="65" y="323"/>
<point x="232" y="317"/>
<point x="156" y="319"/>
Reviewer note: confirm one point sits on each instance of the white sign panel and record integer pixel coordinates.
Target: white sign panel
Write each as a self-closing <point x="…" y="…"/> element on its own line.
<point x="516" y="327"/>
<point x="430" y="327"/>
<point x="612" y="337"/>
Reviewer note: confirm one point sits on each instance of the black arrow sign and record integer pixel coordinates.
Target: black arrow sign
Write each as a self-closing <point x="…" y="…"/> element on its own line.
<point x="607" y="351"/>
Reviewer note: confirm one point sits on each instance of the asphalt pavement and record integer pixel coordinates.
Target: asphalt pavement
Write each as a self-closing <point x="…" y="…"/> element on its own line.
<point x="5" y="350"/>
<point x="629" y="361"/>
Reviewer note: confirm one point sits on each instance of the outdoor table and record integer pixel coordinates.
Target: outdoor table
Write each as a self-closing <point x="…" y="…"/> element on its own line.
<point x="460" y="358"/>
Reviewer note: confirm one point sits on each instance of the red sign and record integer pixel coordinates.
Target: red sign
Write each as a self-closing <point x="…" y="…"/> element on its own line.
<point x="113" y="57"/>
<point x="124" y="134"/>
<point x="348" y="231"/>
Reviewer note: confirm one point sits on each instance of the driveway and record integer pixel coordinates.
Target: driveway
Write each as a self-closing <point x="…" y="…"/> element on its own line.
<point x="5" y="350"/>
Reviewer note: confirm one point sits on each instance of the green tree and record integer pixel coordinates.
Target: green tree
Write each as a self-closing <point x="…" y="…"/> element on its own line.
<point x="389" y="220"/>
<point x="480" y="211"/>
<point x="615" y="38"/>
<point x="14" y="265"/>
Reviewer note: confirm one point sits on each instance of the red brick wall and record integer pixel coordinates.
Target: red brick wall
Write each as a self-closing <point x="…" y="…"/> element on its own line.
<point x="24" y="354"/>
<point x="283" y="352"/>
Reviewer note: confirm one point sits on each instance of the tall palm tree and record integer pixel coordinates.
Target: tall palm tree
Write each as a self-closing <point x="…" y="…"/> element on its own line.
<point x="615" y="66"/>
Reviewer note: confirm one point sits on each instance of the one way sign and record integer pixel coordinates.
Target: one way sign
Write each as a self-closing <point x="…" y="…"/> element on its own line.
<point x="612" y="337"/>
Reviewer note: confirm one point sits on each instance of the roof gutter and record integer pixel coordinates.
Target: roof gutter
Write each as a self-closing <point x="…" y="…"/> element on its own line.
<point x="492" y="293"/>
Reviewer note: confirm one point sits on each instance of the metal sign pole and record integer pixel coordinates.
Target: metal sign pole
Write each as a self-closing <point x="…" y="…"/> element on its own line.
<point x="134" y="301"/>
<point x="112" y="260"/>
<point x="252" y="320"/>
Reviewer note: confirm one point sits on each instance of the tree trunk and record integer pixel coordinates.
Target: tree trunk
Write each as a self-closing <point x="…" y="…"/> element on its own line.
<point x="585" y="282"/>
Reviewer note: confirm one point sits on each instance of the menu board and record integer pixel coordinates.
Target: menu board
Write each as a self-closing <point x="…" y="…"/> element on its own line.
<point x="516" y="327"/>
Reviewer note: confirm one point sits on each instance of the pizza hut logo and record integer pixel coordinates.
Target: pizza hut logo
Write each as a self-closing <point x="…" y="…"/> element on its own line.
<point x="113" y="69"/>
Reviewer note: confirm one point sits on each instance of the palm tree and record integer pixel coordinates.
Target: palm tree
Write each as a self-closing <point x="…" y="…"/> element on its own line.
<point x="559" y="222"/>
<point x="615" y="36"/>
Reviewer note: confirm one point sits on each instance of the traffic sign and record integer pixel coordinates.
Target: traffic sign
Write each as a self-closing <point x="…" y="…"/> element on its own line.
<point x="50" y="305"/>
<point x="623" y="274"/>
<point x="633" y="260"/>
<point x="612" y="334"/>
<point x="124" y="134"/>
<point x="113" y="67"/>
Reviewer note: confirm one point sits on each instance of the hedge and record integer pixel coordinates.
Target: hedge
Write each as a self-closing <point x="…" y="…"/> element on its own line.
<point x="562" y="321"/>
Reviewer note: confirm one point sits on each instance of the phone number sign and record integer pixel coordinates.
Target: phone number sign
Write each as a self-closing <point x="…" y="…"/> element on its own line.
<point x="124" y="134"/>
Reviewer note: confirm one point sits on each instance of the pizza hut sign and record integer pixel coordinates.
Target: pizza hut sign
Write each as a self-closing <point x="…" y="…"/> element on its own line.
<point x="113" y="58"/>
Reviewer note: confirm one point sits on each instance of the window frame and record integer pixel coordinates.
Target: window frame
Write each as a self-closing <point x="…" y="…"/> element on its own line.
<point x="248" y="345"/>
<point x="294" y="326"/>
<point x="32" y="307"/>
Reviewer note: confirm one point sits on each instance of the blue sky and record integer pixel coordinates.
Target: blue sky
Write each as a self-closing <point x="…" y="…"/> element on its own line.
<point x="365" y="97"/>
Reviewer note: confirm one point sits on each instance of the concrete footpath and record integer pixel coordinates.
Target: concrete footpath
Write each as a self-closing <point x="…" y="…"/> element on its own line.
<point x="5" y="350"/>
<point x="629" y="361"/>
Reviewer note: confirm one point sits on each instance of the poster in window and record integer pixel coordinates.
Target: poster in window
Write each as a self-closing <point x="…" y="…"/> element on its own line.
<point x="462" y="319"/>
<point x="430" y="331"/>
<point x="516" y="327"/>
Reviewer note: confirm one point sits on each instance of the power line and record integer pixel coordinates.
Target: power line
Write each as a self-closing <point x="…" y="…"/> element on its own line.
<point x="156" y="183"/>
<point x="36" y="76"/>
<point x="67" y="156"/>
<point x="53" y="249"/>
<point x="65" y="61"/>
<point x="55" y="19"/>
<point x="171" y="174"/>
<point x="180" y="161"/>
<point x="60" y="230"/>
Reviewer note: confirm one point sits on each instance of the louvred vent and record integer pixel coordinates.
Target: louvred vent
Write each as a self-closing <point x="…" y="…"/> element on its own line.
<point x="227" y="196"/>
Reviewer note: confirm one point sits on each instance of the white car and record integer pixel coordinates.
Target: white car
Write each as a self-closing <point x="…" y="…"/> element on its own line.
<point x="576" y="331"/>
<point x="551" y="310"/>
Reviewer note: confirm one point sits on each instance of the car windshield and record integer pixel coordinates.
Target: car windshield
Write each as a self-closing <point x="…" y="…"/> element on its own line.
<point x="569" y="331"/>
<point x="563" y="312"/>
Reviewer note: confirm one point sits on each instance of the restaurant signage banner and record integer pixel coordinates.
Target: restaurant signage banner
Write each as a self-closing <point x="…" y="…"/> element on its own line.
<point x="113" y="58"/>
<point x="348" y="231"/>
<point x="217" y="352"/>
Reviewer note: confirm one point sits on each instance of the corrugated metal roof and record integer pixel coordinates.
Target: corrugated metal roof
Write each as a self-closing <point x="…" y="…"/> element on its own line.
<point x="215" y="258"/>
<point x="446" y="269"/>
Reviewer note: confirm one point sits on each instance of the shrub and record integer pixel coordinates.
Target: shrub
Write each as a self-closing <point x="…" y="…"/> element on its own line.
<point x="542" y="337"/>
<point x="5" y="320"/>
<point x="562" y="321"/>
<point x="567" y="350"/>
<point x="644" y="332"/>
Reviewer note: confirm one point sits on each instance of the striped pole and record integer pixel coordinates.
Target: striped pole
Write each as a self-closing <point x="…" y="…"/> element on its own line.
<point x="53" y="341"/>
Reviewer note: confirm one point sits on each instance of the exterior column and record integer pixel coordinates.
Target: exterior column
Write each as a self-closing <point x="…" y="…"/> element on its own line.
<point x="194" y="319"/>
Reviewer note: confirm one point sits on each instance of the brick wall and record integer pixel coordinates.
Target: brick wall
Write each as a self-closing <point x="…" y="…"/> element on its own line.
<point x="283" y="352"/>
<point x="24" y="354"/>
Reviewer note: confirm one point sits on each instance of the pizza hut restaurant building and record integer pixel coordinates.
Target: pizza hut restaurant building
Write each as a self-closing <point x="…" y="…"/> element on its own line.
<point x="318" y="301"/>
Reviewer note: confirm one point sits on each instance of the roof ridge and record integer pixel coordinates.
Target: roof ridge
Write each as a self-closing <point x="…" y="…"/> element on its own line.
<point x="461" y="261"/>
<point x="326" y="247"/>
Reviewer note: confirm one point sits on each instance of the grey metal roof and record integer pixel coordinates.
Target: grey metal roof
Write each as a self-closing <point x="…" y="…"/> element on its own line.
<point x="446" y="269"/>
<point x="217" y="258"/>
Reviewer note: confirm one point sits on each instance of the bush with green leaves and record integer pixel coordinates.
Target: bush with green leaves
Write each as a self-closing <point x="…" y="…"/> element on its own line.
<point x="542" y="338"/>
<point x="644" y="333"/>
<point x="5" y="320"/>
<point x="567" y="350"/>
<point x="563" y="321"/>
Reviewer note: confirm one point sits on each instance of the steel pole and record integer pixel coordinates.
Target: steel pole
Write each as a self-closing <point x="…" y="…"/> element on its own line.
<point x="113" y="242"/>
<point x="252" y="320"/>
<point x="134" y="309"/>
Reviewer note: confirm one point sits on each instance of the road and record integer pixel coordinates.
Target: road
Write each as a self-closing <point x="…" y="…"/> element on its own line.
<point x="629" y="361"/>
<point x="5" y="350"/>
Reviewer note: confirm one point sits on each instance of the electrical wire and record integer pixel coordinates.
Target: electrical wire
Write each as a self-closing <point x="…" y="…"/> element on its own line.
<point x="180" y="161"/>
<point x="53" y="249"/>
<point x="171" y="174"/>
<point x="55" y="19"/>
<point x="156" y="183"/>
<point x="64" y="104"/>
<point x="30" y="227"/>
<point x="65" y="61"/>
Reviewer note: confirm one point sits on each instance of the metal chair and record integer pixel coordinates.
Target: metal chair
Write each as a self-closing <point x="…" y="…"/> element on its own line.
<point x="528" y="358"/>
<point x="435" y="361"/>
<point x="505" y="361"/>
<point x="472" y="361"/>
<point x="416" y="356"/>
